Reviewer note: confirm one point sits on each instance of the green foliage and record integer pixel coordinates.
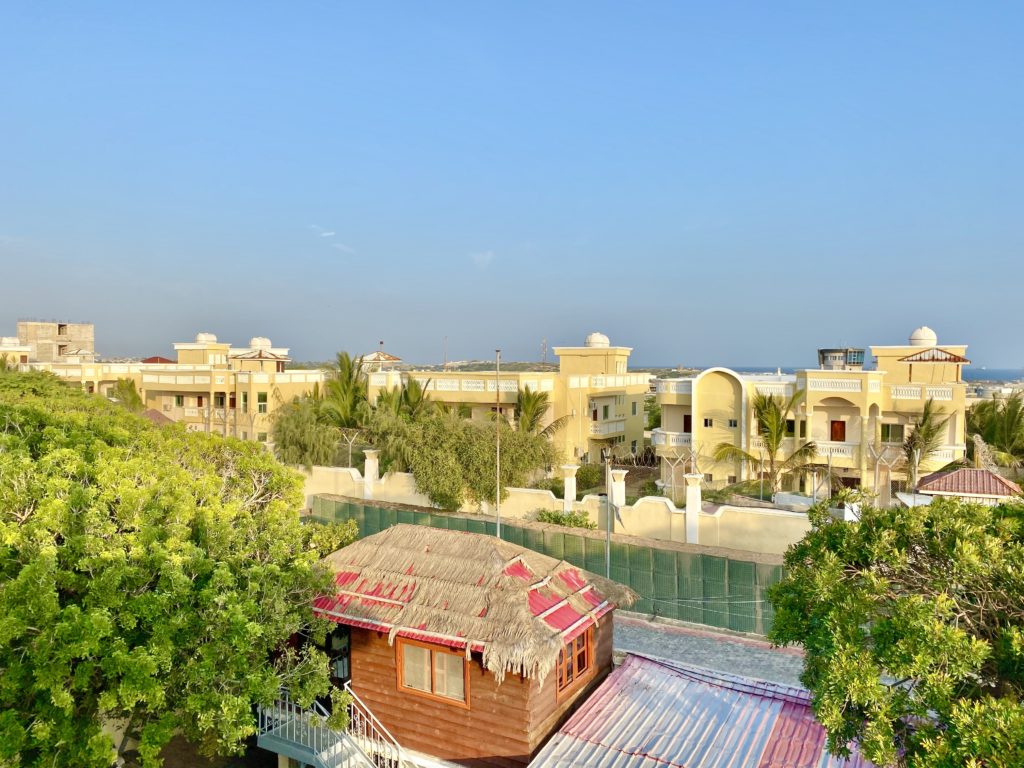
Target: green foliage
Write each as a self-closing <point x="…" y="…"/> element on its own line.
<point x="531" y="409"/>
<point x="653" y="410"/>
<point x="913" y="625"/>
<point x="343" y="403"/>
<point x="301" y="438"/>
<point x="147" y="576"/>
<point x="1000" y="423"/>
<point x="771" y="413"/>
<point x="926" y="438"/>
<point x="554" y="484"/>
<point x="569" y="519"/>
<point x="124" y="394"/>
<point x="589" y="476"/>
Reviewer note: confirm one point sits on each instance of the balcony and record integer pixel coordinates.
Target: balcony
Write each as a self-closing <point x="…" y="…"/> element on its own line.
<point x="674" y="387"/>
<point x="662" y="439"/>
<point x="607" y="428"/>
<point x="836" y="450"/>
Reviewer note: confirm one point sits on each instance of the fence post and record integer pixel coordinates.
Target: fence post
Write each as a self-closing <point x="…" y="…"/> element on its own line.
<point x="569" y="481"/>
<point x="370" y="473"/>
<point x="693" y="507"/>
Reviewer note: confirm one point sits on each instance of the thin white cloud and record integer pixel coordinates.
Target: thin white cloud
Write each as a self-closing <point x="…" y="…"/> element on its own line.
<point x="482" y="259"/>
<point x="343" y="247"/>
<point x="327" y="234"/>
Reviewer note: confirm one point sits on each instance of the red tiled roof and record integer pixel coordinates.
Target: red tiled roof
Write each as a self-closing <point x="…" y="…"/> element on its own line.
<point x="158" y="359"/>
<point x="156" y="417"/>
<point x="934" y="355"/>
<point x="968" y="482"/>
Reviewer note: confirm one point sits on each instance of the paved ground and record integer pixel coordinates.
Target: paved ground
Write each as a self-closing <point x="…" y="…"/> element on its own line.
<point x="709" y="649"/>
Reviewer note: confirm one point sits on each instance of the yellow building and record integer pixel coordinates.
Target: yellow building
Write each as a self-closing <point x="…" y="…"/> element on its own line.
<point x="213" y="387"/>
<point x="593" y="387"/>
<point x="856" y="418"/>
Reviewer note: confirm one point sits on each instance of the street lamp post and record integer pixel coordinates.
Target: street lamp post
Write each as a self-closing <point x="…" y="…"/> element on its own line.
<point x="497" y="439"/>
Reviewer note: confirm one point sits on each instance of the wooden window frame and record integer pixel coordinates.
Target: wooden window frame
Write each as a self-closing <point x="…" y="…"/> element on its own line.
<point x="400" y="644"/>
<point x="563" y="692"/>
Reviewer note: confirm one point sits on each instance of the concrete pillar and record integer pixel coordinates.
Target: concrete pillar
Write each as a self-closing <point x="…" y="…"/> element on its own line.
<point x="371" y="471"/>
<point x="569" y="480"/>
<point x="693" y="507"/>
<point x="619" y="486"/>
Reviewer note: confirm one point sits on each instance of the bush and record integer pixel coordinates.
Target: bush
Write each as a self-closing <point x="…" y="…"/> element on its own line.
<point x="589" y="476"/>
<point x="568" y="519"/>
<point x="554" y="484"/>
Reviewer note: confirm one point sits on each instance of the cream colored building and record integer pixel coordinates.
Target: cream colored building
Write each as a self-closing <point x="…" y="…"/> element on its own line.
<point x="213" y="387"/>
<point x="593" y="387"/>
<point x="53" y="342"/>
<point x="857" y="418"/>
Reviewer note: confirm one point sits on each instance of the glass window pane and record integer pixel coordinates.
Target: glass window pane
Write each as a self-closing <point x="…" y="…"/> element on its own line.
<point x="449" y="680"/>
<point x="416" y="667"/>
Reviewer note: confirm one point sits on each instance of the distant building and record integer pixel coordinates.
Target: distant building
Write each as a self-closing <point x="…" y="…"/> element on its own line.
<point x="461" y="646"/>
<point x="857" y="418"/>
<point x="601" y="402"/>
<point x="653" y="713"/>
<point x="52" y="342"/>
<point x="969" y="484"/>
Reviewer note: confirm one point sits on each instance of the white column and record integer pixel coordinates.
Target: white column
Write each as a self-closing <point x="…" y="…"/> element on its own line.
<point x="619" y="487"/>
<point x="569" y="480"/>
<point x="693" y="507"/>
<point x="370" y="473"/>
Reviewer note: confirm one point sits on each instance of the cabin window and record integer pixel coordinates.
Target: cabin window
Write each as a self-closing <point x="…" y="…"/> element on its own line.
<point x="575" y="660"/>
<point x="433" y="671"/>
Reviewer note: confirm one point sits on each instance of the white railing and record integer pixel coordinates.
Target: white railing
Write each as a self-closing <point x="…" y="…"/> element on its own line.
<point x="939" y="393"/>
<point x="833" y="385"/>
<point x="191" y="411"/>
<point x="948" y="453"/>
<point x="607" y="427"/>
<point x="774" y="388"/>
<point x="835" y="449"/>
<point x="674" y="387"/>
<point x="904" y="392"/>
<point x="446" y="385"/>
<point x="286" y="721"/>
<point x="660" y="437"/>
<point x="506" y="385"/>
<point x="473" y="385"/>
<point x="370" y="734"/>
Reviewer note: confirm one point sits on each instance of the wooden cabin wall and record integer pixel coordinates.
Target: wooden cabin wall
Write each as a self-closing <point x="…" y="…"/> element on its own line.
<point x="505" y="724"/>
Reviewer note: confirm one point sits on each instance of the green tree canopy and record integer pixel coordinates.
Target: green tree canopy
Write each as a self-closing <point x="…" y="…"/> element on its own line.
<point x="148" y="577"/>
<point x="1000" y="423"/>
<point x="531" y="409"/>
<point x="127" y="396"/>
<point x="913" y="625"/>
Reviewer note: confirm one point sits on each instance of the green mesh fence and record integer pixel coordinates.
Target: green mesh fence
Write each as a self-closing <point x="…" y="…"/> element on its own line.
<point x="689" y="586"/>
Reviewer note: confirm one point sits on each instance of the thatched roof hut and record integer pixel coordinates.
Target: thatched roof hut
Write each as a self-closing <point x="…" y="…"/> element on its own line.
<point x="516" y="607"/>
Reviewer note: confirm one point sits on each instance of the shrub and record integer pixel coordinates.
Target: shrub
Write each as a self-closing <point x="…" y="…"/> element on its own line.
<point x="589" y="476"/>
<point x="568" y="519"/>
<point x="554" y="484"/>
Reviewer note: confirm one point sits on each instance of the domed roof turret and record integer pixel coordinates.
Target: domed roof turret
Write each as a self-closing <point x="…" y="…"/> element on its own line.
<point x="259" y="342"/>
<point x="597" y="340"/>
<point x="206" y="338"/>
<point x="923" y="337"/>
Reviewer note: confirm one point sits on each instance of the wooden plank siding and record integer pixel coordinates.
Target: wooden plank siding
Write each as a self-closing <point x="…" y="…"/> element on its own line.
<point x="504" y="726"/>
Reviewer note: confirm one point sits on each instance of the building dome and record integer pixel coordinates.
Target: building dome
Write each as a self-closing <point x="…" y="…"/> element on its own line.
<point x="259" y="342"/>
<point x="597" y="340"/>
<point x="206" y="338"/>
<point x="923" y="337"/>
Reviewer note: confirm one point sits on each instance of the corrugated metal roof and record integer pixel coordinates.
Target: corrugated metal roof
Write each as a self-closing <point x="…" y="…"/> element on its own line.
<point x="972" y="482"/>
<point x="652" y="713"/>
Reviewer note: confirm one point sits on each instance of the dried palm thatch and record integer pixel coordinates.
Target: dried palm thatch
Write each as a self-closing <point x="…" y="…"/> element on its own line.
<point x="466" y="590"/>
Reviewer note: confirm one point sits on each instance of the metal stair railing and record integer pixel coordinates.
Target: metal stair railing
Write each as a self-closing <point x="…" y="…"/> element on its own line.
<point x="287" y="721"/>
<point x="370" y="734"/>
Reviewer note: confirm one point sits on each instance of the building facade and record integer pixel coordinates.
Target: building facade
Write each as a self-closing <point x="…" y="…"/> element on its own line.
<point x="601" y="402"/>
<point x="213" y="387"/>
<point x="857" y="418"/>
<point x="53" y="342"/>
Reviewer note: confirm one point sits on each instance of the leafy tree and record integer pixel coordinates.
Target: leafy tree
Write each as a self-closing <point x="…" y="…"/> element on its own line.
<point x="925" y="439"/>
<point x="148" y="578"/>
<point x="300" y="437"/>
<point x="771" y="414"/>
<point x="912" y="621"/>
<point x="531" y="409"/>
<point x="653" y="411"/>
<point x="127" y="396"/>
<point x="522" y="454"/>
<point x="1000" y="423"/>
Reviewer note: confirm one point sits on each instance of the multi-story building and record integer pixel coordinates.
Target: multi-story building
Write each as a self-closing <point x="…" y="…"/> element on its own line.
<point x="857" y="418"/>
<point x="213" y="387"/>
<point x="53" y="342"/>
<point x="601" y="401"/>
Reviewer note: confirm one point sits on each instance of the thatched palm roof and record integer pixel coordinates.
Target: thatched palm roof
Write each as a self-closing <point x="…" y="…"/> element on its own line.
<point x="469" y="591"/>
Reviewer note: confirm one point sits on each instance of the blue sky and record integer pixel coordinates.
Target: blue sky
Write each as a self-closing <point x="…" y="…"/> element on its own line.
<point x="714" y="183"/>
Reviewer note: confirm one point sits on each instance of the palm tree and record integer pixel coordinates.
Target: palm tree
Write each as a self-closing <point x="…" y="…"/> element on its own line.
<point x="1000" y="424"/>
<point x="126" y="395"/>
<point x="415" y="400"/>
<point x="771" y="412"/>
<point x="925" y="440"/>
<point x="7" y="365"/>
<point x="344" y="403"/>
<point x="531" y="408"/>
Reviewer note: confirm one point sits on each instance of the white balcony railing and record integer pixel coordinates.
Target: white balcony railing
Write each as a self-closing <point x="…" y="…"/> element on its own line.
<point x="939" y="393"/>
<point x="675" y="387"/>
<point x="612" y="427"/>
<point x="905" y="392"/>
<point x="836" y="450"/>
<point x="661" y="438"/>
<point x="774" y="388"/>
<point x="816" y="384"/>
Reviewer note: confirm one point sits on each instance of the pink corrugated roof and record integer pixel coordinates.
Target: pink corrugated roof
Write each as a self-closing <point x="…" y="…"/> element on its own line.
<point x="973" y="482"/>
<point x="656" y="714"/>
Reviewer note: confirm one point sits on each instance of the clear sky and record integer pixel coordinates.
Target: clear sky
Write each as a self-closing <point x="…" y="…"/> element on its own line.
<point x="709" y="183"/>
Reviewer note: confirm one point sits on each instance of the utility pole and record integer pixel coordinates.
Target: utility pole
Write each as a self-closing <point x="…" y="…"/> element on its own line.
<point x="608" y="517"/>
<point x="497" y="438"/>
